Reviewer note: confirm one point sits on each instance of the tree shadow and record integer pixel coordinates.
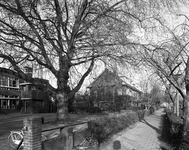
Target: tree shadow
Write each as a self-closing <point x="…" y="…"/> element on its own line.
<point x="162" y="148"/>
<point x="162" y="130"/>
<point x="153" y="127"/>
<point x="165" y="131"/>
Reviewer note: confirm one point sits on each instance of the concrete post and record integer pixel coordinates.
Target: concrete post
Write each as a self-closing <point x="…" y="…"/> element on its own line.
<point x="70" y="139"/>
<point x="32" y="133"/>
<point x="67" y="134"/>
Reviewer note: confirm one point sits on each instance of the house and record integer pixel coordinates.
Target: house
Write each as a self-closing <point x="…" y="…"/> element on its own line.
<point x="9" y="92"/>
<point x="110" y="88"/>
<point x="19" y="95"/>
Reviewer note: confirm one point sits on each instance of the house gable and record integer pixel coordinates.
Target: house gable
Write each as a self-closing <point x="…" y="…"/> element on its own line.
<point x="105" y="79"/>
<point x="108" y="88"/>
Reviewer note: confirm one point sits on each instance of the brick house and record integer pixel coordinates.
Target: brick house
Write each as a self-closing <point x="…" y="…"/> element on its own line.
<point x="18" y="95"/>
<point x="108" y="87"/>
<point x="9" y="91"/>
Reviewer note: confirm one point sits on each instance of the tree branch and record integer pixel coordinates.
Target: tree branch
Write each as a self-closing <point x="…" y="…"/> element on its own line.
<point x="82" y="79"/>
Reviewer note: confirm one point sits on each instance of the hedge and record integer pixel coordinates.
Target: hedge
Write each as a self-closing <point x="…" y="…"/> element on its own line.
<point x="181" y="142"/>
<point x="103" y="128"/>
<point x="175" y="124"/>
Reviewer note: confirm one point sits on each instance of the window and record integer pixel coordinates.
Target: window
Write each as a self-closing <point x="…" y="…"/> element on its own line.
<point x="14" y="83"/>
<point x="10" y="82"/>
<point x="101" y="94"/>
<point x="4" y="103"/>
<point x="1" y="80"/>
<point x="21" y="88"/>
<point x="25" y="88"/>
<point x="5" y="81"/>
<point x="95" y="93"/>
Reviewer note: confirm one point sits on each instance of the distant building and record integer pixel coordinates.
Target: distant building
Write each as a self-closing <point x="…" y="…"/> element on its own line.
<point x="19" y="95"/>
<point x="109" y="88"/>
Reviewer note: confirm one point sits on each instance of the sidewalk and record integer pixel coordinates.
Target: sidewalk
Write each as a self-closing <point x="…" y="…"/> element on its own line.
<point x="143" y="136"/>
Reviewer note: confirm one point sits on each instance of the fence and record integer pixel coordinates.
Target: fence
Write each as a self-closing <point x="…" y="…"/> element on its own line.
<point x="66" y="139"/>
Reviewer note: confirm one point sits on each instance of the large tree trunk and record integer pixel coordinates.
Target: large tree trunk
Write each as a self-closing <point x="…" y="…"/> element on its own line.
<point x="62" y="107"/>
<point x="63" y="90"/>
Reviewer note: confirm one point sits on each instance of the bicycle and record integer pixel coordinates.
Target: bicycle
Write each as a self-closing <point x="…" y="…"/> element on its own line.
<point x="15" y="139"/>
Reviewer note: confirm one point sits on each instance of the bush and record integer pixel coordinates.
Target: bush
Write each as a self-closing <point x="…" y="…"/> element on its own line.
<point x="133" y="108"/>
<point x="184" y="143"/>
<point x="152" y="110"/>
<point x="103" y="128"/>
<point x="112" y="107"/>
<point x="175" y="125"/>
<point x="142" y="114"/>
<point x="181" y="142"/>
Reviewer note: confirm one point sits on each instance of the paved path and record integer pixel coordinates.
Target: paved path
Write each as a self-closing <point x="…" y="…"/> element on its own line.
<point x="144" y="136"/>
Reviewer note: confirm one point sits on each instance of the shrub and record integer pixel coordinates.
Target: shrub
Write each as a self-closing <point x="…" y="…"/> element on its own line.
<point x="140" y="114"/>
<point x="133" y="108"/>
<point x="152" y="110"/>
<point x="174" y="121"/>
<point x="103" y="128"/>
<point x="175" y="125"/>
<point x="143" y="113"/>
<point x="113" y="107"/>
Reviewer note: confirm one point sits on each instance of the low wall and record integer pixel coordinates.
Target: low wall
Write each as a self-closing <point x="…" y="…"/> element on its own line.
<point x="57" y="143"/>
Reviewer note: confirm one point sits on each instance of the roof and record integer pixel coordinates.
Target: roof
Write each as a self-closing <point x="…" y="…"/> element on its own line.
<point x="128" y="85"/>
<point x="132" y="87"/>
<point x="109" y="78"/>
<point x="104" y="79"/>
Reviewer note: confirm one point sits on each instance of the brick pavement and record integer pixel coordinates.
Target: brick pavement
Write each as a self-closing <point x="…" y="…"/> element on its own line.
<point x="143" y="136"/>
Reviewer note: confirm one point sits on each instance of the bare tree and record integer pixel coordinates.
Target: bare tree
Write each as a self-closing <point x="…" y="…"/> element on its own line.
<point x="60" y="35"/>
<point x="170" y="60"/>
